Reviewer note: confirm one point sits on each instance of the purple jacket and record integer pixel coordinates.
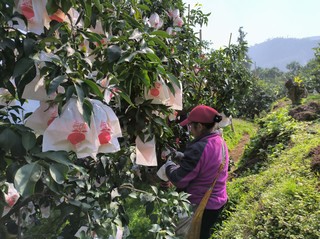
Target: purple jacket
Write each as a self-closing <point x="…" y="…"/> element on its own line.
<point x="198" y="168"/>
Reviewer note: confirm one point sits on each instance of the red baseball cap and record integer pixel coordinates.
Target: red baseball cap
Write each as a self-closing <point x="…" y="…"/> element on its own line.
<point x="201" y="114"/>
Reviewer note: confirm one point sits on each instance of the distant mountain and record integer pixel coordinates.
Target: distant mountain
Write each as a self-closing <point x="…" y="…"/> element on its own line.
<point x="279" y="52"/>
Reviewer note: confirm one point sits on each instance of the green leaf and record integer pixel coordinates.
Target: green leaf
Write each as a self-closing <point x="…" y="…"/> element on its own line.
<point x="173" y="79"/>
<point x="80" y="92"/>
<point x="66" y="5"/>
<point x="93" y="37"/>
<point x="94" y="87"/>
<point x="22" y="66"/>
<point x="98" y="4"/>
<point x="133" y="22"/>
<point x="113" y="53"/>
<point x="153" y="57"/>
<point x="54" y="84"/>
<point x="126" y="98"/>
<point x="28" y="46"/>
<point x="160" y="33"/>
<point x="28" y="140"/>
<point x="161" y="70"/>
<point x="149" y="208"/>
<point x="26" y="178"/>
<point x="59" y="172"/>
<point x="69" y="92"/>
<point x="52" y="7"/>
<point x="54" y="187"/>
<point x="161" y="43"/>
<point x="88" y="13"/>
<point x="26" y="79"/>
<point x="87" y="111"/>
<point x="5" y="135"/>
<point x="155" y="189"/>
<point x="60" y="157"/>
<point x="127" y="57"/>
<point x="144" y="77"/>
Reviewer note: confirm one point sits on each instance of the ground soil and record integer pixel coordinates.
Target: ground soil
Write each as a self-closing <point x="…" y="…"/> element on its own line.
<point x="315" y="163"/>
<point x="236" y="153"/>
<point x="308" y="112"/>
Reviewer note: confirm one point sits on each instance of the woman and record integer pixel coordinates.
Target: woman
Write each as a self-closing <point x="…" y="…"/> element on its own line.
<point x="200" y="163"/>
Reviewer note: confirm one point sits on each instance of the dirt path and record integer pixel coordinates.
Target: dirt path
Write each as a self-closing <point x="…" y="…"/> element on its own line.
<point x="237" y="152"/>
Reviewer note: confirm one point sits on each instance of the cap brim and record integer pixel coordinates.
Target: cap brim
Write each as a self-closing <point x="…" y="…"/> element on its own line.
<point x="185" y="122"/>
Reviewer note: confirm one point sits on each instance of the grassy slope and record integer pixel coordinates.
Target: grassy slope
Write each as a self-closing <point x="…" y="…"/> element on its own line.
<point x="283" y="199"/>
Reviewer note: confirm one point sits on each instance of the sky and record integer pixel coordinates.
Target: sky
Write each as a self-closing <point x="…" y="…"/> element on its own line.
<point x="261" y="19"/>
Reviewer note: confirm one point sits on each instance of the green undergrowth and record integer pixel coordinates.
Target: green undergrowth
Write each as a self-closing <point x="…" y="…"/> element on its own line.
<point x="280" y="199"/>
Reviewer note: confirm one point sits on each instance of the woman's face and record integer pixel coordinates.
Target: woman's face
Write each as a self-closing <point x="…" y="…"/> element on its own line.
<point x="195" y="129"/>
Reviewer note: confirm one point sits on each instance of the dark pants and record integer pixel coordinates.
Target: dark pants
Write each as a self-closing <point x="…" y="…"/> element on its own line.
<point x="209" y="218"/>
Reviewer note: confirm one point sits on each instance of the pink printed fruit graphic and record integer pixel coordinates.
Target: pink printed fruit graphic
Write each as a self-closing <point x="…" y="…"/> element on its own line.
<point x="155" y="91"/>
<point x="59" y="16"/>
<point x="105" y="133"/>
<point x="53" y="116"/>
<point x="27" y="9"/>
<point x="77" y="135"/>
<point x="50" y="121"/>
<point x="104" y="137"/>
<point x="11" y="200"/>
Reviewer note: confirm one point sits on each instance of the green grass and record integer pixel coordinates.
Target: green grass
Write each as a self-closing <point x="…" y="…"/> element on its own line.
<point x="313" y="97"/>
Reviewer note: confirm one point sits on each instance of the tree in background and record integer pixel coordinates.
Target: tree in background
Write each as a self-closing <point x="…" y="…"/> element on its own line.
<point x="311" y="73"/>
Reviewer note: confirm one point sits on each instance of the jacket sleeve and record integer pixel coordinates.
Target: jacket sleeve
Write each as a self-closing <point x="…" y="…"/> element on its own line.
<point x="187" y="169"/>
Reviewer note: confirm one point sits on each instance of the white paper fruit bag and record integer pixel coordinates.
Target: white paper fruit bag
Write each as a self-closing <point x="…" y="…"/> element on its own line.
<point x="146" y="152"/>
<point x="10" y="198"/>
<point x="159" y="93"/>
<point x="175" y="101"/>
<point x="107" y="127"/>
<point x="70" y="132"/>
<point x="36" y="90"/>
<point x="42" y="117"/>
<point x="35" y="13"/>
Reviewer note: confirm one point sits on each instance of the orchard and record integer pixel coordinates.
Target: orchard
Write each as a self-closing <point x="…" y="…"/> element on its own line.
<point x="108" y="81"/>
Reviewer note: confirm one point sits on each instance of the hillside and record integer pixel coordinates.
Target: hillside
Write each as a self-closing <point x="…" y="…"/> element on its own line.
<point x="274" y="191"/>
<point x="279" y="52"/>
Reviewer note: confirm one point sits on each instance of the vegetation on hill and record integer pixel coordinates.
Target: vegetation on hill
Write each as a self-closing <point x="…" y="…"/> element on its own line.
<point x="276" y="192"/>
